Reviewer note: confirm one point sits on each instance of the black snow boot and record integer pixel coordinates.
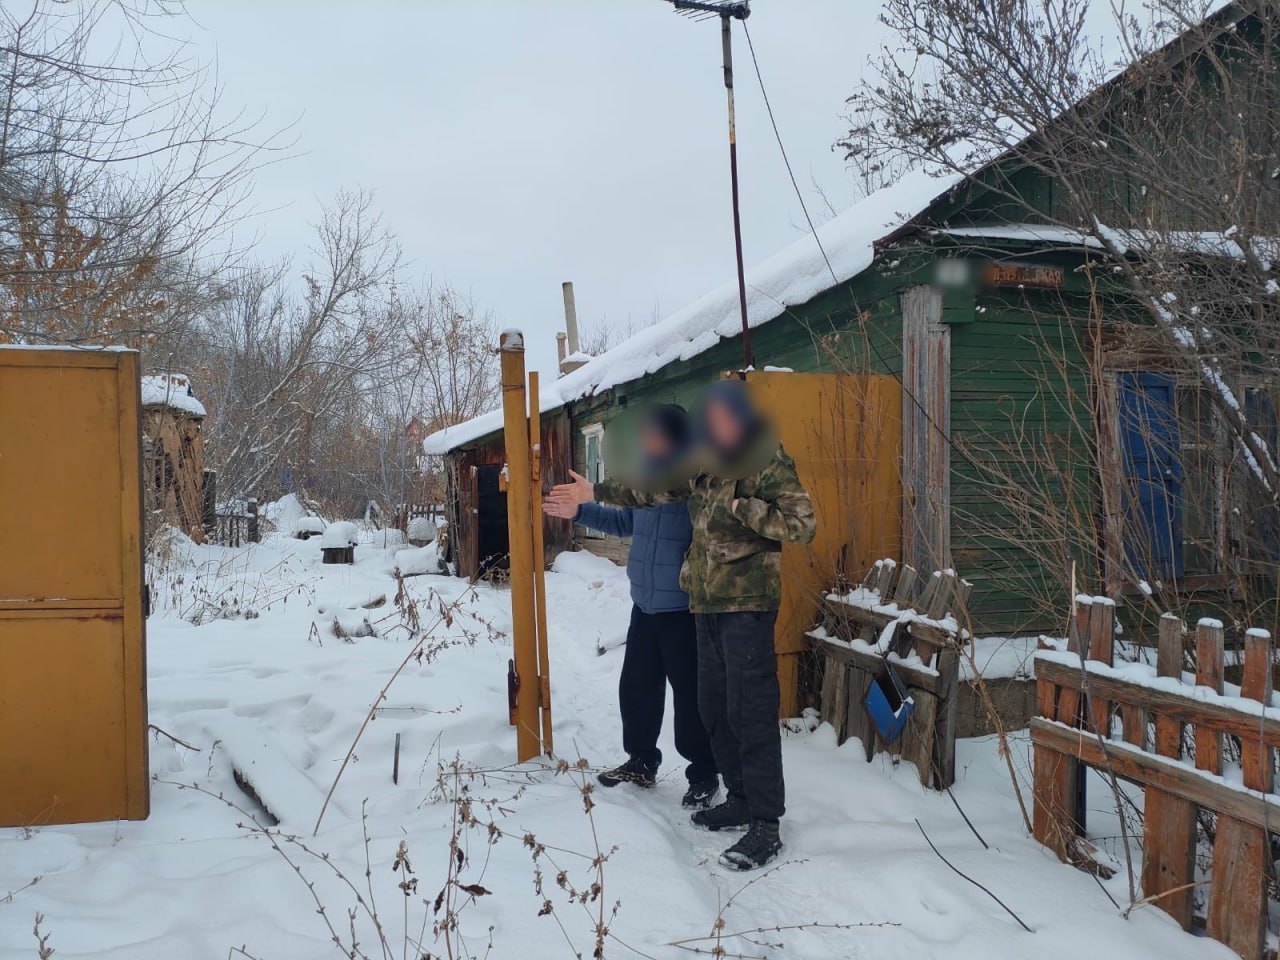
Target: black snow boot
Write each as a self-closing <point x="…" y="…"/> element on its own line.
<point x="700" y="794"/>
<point x="759" y="847"/>
<point x="730" y="815"/>
<point x="633" y="771"/>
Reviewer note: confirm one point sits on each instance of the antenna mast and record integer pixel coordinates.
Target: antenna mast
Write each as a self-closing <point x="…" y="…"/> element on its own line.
<point x="727" y="11"/>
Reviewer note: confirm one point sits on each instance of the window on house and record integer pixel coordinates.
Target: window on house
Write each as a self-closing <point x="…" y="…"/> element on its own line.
<point x="594" y="437"/>
<point x="1173" y="477"/>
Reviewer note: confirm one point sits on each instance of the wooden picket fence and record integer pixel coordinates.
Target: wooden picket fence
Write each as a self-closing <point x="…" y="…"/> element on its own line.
<point x="1081" y="694"/>
<point x="895" y="611"/>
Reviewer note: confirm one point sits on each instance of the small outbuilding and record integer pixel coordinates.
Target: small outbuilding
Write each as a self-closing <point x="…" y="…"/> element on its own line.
<point x="173" y="453"/>
<point x="475" y="490"/>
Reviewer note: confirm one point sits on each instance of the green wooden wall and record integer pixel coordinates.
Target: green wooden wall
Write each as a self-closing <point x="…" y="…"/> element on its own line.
<point x="1021" y="465"/>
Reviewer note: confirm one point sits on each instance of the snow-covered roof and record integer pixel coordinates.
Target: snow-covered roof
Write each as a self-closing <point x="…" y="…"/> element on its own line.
<point x="789" y="278"/>
<point x="1210" y="243"/>
<point x="172" y="390"/>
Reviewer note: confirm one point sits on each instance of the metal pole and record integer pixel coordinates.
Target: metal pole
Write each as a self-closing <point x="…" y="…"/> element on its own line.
<point x="726" y="42"/>
<point x="524" y="637"/>
<point x="539" y="580"/>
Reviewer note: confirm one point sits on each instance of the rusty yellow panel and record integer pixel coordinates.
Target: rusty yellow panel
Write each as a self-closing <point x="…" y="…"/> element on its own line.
<point x="61" y="693"/>
<point x="845" y="434"/>
<point x="73" y="712"/>
<point x="60" y="486"/>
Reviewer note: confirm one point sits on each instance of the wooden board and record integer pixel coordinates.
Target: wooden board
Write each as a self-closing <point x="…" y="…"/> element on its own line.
<point x="916" y="743"/>
<point x="835" y="697"/>
<point x="1169" y="821"/>
<point x="926" y="430"/>
<point x="1241" y="851"/>
<point x="1138" y="766"/>
<point x="73" y="709"/>
<point x="1184" y="707"/>
<point x="1055" y="777"/>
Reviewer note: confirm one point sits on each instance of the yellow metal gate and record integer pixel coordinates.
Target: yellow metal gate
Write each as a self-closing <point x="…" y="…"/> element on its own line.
<point x="73" y="713"/>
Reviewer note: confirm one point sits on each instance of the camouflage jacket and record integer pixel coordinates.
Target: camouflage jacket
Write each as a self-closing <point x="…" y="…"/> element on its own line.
<point x="734" y="563"/>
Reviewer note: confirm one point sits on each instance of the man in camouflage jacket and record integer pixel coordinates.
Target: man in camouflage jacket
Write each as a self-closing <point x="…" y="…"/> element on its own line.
<point x="743" y="506"/>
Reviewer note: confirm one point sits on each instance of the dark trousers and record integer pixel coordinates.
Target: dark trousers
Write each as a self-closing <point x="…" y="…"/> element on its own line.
<point x="662" y="648"/>
<point x="738" y="699"/>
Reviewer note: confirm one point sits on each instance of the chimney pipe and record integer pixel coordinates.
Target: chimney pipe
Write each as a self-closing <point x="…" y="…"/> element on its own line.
<point x="570" y="317"/>
<point x="560" y="350"/>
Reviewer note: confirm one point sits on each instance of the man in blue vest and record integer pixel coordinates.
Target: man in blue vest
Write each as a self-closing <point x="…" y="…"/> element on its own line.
<point x="662" y="644"/>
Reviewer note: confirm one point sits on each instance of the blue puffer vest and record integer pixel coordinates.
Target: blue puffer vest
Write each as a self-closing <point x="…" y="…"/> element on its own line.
<point x="659" y="538"/>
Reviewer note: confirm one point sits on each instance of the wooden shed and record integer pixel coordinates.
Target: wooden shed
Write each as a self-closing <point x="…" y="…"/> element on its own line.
<point x="476" y="499"/>
<point x="173" y="453"/>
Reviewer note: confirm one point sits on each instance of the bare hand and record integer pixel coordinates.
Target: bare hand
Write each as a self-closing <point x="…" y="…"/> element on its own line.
<point x="560" y="508"/>
<point x="580" y="491"/>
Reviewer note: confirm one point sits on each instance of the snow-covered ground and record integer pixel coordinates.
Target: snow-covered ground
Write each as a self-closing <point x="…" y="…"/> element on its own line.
<point x="247" y="667"/>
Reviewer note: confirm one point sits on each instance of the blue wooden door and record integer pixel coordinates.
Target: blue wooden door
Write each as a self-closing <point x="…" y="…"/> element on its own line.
<point x="1151" y="442"/>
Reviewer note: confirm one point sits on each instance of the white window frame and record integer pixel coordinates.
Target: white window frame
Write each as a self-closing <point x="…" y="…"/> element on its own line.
<point x="594" y="431"/>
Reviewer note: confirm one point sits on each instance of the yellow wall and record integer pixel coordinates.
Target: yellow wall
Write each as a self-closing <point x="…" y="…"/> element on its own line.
<point x="845" y="434"/>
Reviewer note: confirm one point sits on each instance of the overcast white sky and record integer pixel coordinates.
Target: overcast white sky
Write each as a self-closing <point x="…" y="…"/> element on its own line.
<point x="513" y="144"/>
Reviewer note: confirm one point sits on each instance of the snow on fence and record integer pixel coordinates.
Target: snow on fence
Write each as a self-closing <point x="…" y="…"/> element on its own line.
<point x="406" y="513"/>
<point x="1084" y="700"/>
<point x="898" y="616"/>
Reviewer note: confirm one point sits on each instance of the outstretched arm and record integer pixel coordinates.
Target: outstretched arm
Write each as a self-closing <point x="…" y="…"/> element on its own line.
<point x="583" y="490"/>
<point x="782" y="509"/>
<point x="615" y="521"/>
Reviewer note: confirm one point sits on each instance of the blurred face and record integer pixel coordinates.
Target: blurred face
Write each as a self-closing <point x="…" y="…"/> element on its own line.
<point x="654" y="444"/>
<point x="723" y="427"/>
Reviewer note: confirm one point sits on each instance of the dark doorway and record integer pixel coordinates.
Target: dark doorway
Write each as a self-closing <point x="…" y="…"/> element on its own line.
<point x="491" y="516"/>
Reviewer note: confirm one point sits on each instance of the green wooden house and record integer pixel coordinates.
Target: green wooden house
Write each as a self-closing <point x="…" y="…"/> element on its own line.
<point x="1023" y="375"/>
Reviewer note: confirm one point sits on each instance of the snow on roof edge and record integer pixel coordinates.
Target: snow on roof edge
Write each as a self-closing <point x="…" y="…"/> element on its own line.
<point x="172" y="390"/>
<point x="793" y="276"/>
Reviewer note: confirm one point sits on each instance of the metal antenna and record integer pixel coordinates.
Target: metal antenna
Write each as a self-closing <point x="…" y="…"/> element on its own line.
<point x="728" y="10"/>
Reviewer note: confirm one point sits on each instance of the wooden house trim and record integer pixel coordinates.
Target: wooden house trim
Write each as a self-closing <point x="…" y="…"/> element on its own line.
<point x="926" y="429"/>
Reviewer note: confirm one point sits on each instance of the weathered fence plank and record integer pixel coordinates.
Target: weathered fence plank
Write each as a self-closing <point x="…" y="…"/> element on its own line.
<point x="1238" y="893"/>
<point x="1209" y="673"/>
<point x="1185" y="707"/>
<point x="1139" y="766"/>
<point x="1169" y="822"/>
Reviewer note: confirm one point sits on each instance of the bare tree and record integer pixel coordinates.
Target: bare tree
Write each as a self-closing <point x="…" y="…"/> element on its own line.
<point x="283" y="369"/>
<point x="604" y="334"/>
<point x="451" y="346"/>
<point x="119" y="175"/>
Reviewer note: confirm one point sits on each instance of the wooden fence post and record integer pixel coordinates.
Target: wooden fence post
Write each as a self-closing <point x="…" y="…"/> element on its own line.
<point x="1241" y="851"/>
<point x="209" y="512"/>
<point x="1169" y="835"/>
<point x="1209" y="673"/>
<point x="1056" y="779"/>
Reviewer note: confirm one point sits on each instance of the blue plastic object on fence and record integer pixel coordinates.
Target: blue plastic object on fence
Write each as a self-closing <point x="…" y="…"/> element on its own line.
<point x="889" y="704"/>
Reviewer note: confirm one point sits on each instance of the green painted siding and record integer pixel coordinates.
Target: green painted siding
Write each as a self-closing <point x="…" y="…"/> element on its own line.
<point x="1021" y="478"/>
